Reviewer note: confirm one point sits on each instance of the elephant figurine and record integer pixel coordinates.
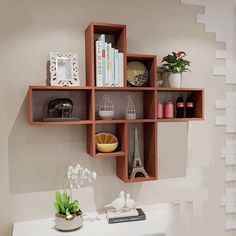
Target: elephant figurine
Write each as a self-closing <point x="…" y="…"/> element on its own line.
<point x="60" y="108"/>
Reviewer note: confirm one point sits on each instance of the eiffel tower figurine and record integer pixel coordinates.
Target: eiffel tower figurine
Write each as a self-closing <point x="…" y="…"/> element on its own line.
<point x="137" y="165"/>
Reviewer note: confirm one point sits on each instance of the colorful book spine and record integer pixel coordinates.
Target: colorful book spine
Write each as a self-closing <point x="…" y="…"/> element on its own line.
<point x="99" y="64"/>
<point x="104" y="61"/>
<point x="112" y="67"/>
<point x="109" y="69"/>
<point x="121" y="70"/>
<point x="116" y="69"/>
<point x="105" y="66"/>
<point x="109" y="65"/>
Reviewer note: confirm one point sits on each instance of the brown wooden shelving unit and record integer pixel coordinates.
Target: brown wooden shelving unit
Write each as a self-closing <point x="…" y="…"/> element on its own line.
<point x="39" y="96"/>
<point x="198" y="99"/>
<point x="148" y="119"/>
<point x="85" y="104"/>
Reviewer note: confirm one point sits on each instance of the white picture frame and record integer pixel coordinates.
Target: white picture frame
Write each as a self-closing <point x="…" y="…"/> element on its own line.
<point x="64" y="69"/>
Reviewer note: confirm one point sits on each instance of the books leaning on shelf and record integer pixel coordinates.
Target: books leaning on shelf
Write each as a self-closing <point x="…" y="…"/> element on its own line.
<point x="134" y="215"/>
<point x="109" y="64"/>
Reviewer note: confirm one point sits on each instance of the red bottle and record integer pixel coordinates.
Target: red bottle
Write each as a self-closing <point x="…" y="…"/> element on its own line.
<point x="179" y="105"/>
<point x="189" y="106"/>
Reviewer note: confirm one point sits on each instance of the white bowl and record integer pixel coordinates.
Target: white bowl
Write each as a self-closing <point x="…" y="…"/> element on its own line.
<point x="105" y="115"/>
<point x="130" y="116"/>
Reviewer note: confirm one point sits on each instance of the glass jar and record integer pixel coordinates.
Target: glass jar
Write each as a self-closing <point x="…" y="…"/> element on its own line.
<point x="159" y="110"/>
<point x="169" y="110"/>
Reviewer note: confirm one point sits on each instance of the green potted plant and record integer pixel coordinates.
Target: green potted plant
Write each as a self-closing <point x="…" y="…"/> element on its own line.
<point x="69" y="216"/>
<point x="174" y="65"/>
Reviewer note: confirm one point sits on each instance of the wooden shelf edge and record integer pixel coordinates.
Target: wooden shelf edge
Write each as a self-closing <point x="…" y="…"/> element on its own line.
<point x="179" y="119"/>
<point x="180" y="89"/>
<point x="141" y="56"/>
<point x="41" y="123"/>
<point x="111" y="154"/>
<point x="125" y="121"/>
<point x="42" y="87"/>
<point x="140" y="179"/>
<point x="107" y="24"/>
<point x="124" y="88"/>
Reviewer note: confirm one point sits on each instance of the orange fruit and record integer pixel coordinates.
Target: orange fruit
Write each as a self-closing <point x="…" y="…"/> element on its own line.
<point x="106" y="142"/>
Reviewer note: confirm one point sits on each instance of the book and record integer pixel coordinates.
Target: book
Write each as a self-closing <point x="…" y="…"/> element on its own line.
<point x="98" y="63"/>
<point x="104" y="61"/>
<point x="109" y="66"/>
<point x="112" y="79"/>
<point x="105" y="83"/>
<point x="116" y="67"/>
<point x="121" y="70"/>
<point x="122" y="213"/>
<point x="141" y="216"/>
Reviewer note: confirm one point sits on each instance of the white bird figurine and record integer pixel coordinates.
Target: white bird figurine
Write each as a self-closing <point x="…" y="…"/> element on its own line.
<point x="130" y="203"/>
<point x="119" y="202"/>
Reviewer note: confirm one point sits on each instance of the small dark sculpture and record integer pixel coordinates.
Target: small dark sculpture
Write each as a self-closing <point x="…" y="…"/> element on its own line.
<point x="60" y="108"/>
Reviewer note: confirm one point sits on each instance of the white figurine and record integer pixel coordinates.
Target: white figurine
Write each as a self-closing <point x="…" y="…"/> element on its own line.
<point x="119" y="202"/>
<point x="130" y="203"/>
<point x="130" y="110"/>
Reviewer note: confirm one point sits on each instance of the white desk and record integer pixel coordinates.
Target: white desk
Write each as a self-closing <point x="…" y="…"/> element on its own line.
<point x="156" y="224"/>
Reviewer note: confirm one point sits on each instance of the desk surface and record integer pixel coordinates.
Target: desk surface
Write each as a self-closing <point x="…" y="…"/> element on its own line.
<point x="96" y="224"/>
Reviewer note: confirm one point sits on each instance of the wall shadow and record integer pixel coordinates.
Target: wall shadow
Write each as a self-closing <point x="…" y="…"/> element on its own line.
<point x="39" y="155"/>
<point x="172" y="150"/>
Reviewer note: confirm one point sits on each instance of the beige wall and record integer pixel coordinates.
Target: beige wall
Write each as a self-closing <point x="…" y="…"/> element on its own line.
<point x="32" y="159"/>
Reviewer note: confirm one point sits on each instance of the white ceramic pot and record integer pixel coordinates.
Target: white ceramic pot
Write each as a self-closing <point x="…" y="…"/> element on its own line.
<point x="106" y="115"/>
<point x="175" y="80"/>
<point x="73" y="223"/>
<point x="130" y="116"/>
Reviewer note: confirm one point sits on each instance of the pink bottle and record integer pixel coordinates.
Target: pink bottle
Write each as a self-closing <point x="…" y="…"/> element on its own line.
<point x="159" y="110"/>
<point x="169" y="110"/>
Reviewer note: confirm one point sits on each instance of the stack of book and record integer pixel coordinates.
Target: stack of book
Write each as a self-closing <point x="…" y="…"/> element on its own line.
<point x="109" y="64"/>
<point x="120" y="217"/>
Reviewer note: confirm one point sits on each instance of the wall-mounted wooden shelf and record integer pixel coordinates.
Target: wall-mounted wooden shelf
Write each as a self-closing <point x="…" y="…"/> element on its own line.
<point x="141" y="179"/>
<point x="125" y="89"/>
<point x="171" y="94"/>
<point x="150" y="61"/>
<point x="87" y="98"/>
<point x="59" y="88"/>
<point x="179" y="119"/>
<point x="124" y="121"/>
<point x="44" y="123"/>
<point x="39" y="97"/>
<point x="117" y="35"/>
<point x="113" y="154"/>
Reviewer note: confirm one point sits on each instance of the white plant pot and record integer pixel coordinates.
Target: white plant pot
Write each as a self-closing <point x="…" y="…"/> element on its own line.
<point x="63" y="224"/>
<point x="175" y="80"/>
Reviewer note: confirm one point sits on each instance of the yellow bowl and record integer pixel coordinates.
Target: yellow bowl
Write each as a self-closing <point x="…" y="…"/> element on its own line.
<point x="106" y="147"/>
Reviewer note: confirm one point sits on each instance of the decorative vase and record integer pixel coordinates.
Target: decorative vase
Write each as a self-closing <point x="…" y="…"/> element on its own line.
<point x="68" y="224"/>
<point x="130" y="111"/>
<point x="106" y="108"/>
<point x="175" y="80"/>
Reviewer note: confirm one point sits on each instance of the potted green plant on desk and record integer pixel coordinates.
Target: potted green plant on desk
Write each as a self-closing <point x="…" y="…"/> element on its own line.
<point x="174" y="65"/>
<point x="69" y="216"/>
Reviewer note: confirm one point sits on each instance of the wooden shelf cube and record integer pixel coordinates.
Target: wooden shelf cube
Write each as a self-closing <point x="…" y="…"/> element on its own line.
<point x="40" y="96"/>
<point x="171" y="94"/>
<point x="150" y="61"/>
